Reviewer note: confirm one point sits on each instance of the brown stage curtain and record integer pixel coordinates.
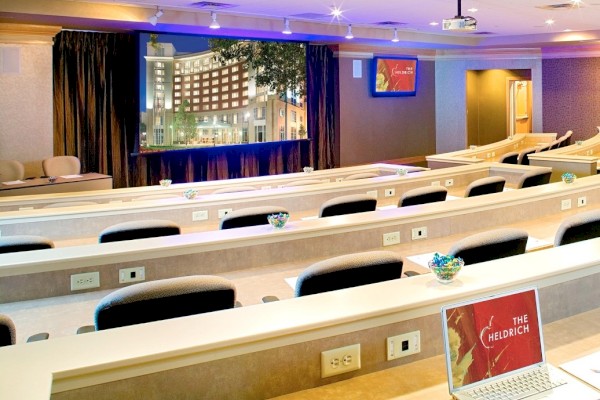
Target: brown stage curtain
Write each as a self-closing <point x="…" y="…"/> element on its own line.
<point x="96" y="101"/>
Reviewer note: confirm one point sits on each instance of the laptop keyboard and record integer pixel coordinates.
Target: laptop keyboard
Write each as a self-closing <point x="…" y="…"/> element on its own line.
<point x="517" y="387"/>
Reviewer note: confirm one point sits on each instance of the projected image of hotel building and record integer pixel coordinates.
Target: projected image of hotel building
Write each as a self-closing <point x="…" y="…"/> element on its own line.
<point x="227" y="105"/>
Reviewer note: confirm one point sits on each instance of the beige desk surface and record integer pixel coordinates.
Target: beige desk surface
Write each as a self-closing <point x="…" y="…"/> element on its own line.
<point x="89" y="181"/>
<point x="565" y="340"/>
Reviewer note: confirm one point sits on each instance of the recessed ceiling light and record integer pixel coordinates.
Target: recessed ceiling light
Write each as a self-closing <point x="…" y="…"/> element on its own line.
<point x="549" y="21"/>
<point x="434" y="23"/>
<point x="567" y="30"/>
<point x="214" y="24"/>
<point x="336" y="12"/>
<point x="576" y="3"/>
<point x="472" y="9"/>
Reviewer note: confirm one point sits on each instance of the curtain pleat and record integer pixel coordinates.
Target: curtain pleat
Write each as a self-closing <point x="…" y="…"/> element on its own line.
<point x="96" y="101"/>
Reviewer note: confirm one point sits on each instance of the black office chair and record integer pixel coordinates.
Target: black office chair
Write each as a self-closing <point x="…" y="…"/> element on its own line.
<point x="509" y="158"/>
<point x="250" y="216"/>
<point x="17" y="243"/>
<point x="578" y="227"/>
<point x="350" y="204"/>
<point x="491" y="184"/>
<point x="8" y="332"/>
<point x="163" y="299"/>
<point x="423" y="195"/>
<point x="490" y="245"/>
<point x="132" y="230"/>
<point x="534" y="178"/>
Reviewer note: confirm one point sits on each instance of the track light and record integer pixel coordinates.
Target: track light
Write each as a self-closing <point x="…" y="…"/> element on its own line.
<point x="154" y="19"/>
<point x="349" y="34"/>
<point x="286" y="27"/>
<point x="214" y="24"/>
<point x="395" y="38"/>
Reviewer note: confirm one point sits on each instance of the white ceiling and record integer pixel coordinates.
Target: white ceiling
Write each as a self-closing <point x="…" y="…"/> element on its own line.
<point x="500" y="22"/>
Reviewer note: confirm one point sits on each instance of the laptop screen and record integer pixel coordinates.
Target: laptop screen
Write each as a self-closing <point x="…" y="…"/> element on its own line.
<point x="492" y="336"/>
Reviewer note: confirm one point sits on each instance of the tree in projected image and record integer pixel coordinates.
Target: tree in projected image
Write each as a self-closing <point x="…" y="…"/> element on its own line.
<point x="185" y="123"/>
<point x="280" y="66"/>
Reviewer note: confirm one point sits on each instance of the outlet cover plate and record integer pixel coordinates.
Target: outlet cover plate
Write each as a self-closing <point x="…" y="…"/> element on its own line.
<point x="340" y="360"/>
<point x="134" y="274"/>
<point x="391" y="238"/>
<point x="87" y="280"/>
<point x="201" y="215"/>
<point x="419" y="233"/>
<point x="403" y="345"/>
<point x="224" y="211"/>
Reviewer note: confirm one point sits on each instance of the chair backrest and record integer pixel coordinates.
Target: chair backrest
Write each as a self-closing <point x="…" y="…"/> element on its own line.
<point x="249" y="216"/>
<point x="350" y="204"/>
<point x="554" y="144"/>
<point x="523" y="158"/>
<point x="423" y="195"/>
<point x="61" y="165"/>
<point x="164" y="299"/>
<point x="234" y="189"/>
<point x="578" y="227"/>
<point x="490" y="245"/>
<point x="7" y="331"/>
<point x="363" y="175"/>
<point x="491" y="184"/>
<point x="349" y="270"/>
<point x="534" y="178"/>
<point x="131" y="230"/>
<point x="565" y="139"/>
<point x="11" y="170"/>
<point x="17" y="243"/>
<point x="510" y="158"/>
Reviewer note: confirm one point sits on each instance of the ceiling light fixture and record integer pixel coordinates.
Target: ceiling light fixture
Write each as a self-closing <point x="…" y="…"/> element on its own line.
<point x="395" y="38"/>
<point x="214" y="24"/>
<point x="154" y="19"/>
<point x="286" y="27"/>
<point x="434" y="23"/>
<point x="349" y="34"/>
<point x="549" y="22"/>
<point x="336" y="12"/>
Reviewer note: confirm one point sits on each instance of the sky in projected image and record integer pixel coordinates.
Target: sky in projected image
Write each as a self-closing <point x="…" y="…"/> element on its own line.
<point x="191" y="98"/>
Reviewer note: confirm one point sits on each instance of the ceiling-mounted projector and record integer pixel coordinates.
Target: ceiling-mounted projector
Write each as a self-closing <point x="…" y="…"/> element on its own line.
<point x="459" y="23"/>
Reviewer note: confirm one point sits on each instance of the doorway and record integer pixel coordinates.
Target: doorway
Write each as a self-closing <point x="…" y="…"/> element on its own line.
<point x="496" y="107"/>
<point x="519" y="113"/>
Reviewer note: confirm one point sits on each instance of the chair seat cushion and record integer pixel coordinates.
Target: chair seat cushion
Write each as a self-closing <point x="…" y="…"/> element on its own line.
<point x="131" y="230"/>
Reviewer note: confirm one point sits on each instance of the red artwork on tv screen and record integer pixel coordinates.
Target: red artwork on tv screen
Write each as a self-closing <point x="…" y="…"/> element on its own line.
<point x="394" y="76"/>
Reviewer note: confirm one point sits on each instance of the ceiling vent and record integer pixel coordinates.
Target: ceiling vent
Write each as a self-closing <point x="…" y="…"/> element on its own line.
<point x="559" y="6"/>
<point x="312" y="16"/>
<point x="390" y="23"/>
<point x="212" y="5"/>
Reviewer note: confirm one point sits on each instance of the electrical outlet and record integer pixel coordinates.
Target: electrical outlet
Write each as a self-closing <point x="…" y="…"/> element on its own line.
<point x="134" y="274"/>
<point x="86" y="280"/>
<point x="265" y="187"/>
<point x="449" y="182"/>
<point x="419" y="233"/>
<point x="403" y="345"/>
<point x="493" y="154"/>
<point x="372" y="193"/>
<point x="389" y="192"/>
<point x="488" y="155"/>
<point x="581" y="201"/>
<point x="565" y="204"/>
<point x="340" y="360"/>
<point x="435" y="183"/>
<point x="224" y="211"/>
<point x="391" y="238"/>
<point x="339" y="179"/>
<point x="199" y="215"/>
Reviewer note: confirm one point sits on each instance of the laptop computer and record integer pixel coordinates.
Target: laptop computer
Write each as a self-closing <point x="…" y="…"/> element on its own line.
<point x="495" y="350"/>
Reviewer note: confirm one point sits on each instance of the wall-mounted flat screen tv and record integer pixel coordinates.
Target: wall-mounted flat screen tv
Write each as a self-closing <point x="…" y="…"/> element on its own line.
<point x="394" y="76"/>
